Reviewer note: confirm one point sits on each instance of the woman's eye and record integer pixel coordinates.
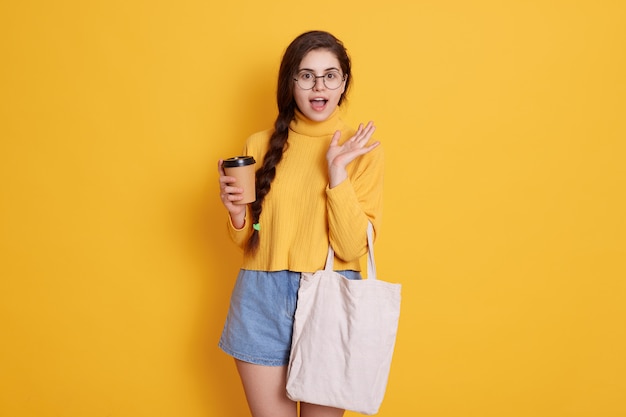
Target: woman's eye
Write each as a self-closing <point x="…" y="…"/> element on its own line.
<point x="306" y="76"/>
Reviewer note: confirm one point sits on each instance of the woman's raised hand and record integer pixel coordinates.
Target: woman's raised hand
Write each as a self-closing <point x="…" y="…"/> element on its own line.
<point x="339" y="156"/>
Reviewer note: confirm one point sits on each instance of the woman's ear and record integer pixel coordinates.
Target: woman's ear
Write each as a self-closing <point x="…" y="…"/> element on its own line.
<point x="343" y="87"/>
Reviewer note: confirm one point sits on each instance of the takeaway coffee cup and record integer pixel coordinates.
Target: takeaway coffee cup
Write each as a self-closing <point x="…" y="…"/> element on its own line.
<point x="242" y="168"/>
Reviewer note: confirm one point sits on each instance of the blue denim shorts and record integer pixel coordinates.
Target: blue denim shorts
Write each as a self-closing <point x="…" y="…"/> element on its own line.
<point x="259" y="324"/>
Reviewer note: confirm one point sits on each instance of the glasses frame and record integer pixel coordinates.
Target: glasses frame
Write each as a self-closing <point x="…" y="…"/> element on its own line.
<point x="323" y="77"/>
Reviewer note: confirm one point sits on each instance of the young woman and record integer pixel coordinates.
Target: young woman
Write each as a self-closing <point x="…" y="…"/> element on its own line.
<point x="318" y="182"/>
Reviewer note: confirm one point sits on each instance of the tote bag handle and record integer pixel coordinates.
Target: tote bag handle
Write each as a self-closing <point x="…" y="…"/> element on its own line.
<point x="371" y="264"/>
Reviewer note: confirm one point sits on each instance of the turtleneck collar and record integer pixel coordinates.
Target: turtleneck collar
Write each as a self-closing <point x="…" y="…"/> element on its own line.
<point x="307" y="127"/>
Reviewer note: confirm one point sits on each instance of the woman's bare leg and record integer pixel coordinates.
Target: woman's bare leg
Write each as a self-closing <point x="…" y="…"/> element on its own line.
<point x="312" y="410"/>
<point x="265" y="390"/>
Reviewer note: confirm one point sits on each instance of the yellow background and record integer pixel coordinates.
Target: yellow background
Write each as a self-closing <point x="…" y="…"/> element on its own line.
<point x="504" y="127"/>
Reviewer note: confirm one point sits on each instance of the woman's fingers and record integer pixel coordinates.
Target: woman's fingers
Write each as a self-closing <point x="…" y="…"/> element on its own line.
<point x="368" y="131"/>
<point x="228" y="193"/>
<point x="335" y="140"/>
<point x="220" y="167"/>
<point x="232" y="190"/>
<point x="363" y="133"/>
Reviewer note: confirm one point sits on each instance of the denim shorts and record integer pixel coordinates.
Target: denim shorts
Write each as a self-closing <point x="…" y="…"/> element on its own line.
<point x="259" y="324"/>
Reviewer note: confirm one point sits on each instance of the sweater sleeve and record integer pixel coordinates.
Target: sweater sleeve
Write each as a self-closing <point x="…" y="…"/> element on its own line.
<point x="240" y="236"/>
<point x="353" y="203"/>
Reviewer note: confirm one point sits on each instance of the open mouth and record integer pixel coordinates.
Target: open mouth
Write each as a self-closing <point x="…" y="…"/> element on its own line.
<point x="318" y="103"/>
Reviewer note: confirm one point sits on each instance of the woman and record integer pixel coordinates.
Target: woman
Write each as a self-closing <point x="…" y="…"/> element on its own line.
<point x="319" y="183"/>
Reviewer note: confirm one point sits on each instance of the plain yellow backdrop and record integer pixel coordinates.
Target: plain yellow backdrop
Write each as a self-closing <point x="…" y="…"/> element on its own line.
<point x="504" y="127"/>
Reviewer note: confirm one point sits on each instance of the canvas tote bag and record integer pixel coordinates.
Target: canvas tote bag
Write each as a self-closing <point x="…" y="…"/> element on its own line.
<point x="343" y="338"/>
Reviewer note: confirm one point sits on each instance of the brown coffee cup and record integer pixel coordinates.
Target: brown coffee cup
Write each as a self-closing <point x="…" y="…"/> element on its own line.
<point x="242" y="169"/>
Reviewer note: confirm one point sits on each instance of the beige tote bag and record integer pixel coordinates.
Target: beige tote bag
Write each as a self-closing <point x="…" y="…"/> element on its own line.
<point x="343" y="338"/>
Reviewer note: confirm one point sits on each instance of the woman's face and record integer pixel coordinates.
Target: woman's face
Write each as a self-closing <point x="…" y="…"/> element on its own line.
<point x="319" y="102"/>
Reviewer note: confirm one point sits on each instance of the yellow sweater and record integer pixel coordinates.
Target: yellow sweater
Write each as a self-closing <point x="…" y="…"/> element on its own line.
<point x="301" y="214"/>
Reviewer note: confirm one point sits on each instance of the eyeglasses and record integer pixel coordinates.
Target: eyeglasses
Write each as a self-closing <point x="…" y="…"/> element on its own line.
<point x="332" y="80"/>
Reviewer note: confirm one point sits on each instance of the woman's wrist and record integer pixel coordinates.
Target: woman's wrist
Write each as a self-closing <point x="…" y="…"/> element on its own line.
<point x="238" y="220"/>
<point x="336" y="175"/>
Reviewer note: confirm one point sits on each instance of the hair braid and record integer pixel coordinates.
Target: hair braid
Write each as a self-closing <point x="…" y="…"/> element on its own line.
<point x="265" y="175"/>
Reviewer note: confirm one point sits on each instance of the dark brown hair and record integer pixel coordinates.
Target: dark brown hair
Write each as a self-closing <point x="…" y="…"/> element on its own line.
<point x="289" y="66"/>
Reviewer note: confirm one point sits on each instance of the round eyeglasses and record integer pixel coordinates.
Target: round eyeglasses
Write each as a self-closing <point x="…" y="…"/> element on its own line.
<point x="332" y="80"/>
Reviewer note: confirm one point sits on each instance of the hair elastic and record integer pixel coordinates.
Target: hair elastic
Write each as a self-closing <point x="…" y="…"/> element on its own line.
<point x="256" y="226"/>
